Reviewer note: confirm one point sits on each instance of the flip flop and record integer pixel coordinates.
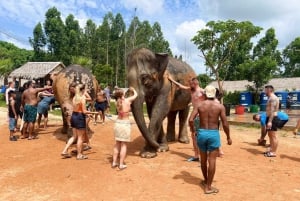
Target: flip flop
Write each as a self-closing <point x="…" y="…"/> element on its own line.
<point x="270" y="154"/>
<point x="192" y="159"/>
<point x="114" y="165"/>
<point x="212" y="191"/>
<point x="82" y="157"/>
<point x="66" y="155"/>
<point x="122" y="167"/>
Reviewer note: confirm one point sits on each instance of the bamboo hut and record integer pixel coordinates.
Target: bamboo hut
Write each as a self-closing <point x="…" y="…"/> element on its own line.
<point x="39" y="71"/>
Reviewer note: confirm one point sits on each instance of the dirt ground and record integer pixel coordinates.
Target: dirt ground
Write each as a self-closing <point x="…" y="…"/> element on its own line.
<point x="33" y="170"/>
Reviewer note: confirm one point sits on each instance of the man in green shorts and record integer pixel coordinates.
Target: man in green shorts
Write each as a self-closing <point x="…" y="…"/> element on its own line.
<point x="208" y="136"/>
<point x="29" y="107"/>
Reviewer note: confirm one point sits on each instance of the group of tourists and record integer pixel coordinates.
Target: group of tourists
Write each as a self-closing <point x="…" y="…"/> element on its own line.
<point x="79" y="123"/>
<point x="204" y="121"/>
<point x="25" y="103"/>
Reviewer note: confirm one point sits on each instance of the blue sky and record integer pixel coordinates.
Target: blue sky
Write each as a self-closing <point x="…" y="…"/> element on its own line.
<point x="179" y="19"/>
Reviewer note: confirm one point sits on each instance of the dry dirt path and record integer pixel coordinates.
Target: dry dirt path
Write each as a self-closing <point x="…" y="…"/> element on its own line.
<point x="33" y="170"/>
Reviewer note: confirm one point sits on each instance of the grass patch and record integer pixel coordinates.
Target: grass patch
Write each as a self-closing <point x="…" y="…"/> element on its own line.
<point x="2" y="100"/>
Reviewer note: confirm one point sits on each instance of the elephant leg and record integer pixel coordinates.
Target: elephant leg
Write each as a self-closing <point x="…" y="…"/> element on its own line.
<point x="183" y="133"/>
<point x="148" y="151"/>
<point x="162" y="140"/>
<point x="65" y="124"/>
<point x="171" y="126"/>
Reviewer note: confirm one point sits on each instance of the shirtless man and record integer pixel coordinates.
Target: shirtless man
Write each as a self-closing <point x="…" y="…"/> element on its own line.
<point x="29" y="107"/>
<point x="197" y="96"/>
<point x="272" y="120"/>
<point x="100" y="105"/>
<point x="208" y="136"/>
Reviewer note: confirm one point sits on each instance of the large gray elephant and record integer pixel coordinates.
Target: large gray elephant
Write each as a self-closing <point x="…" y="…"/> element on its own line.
<point x="148" y="73"/>
<point x="61" y="85"/>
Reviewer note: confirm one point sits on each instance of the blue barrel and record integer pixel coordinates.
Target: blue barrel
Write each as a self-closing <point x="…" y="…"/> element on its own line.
<point x="263" y="107"/>
<point x="295" y="96"/>
<point x="263" y="98"/>
<point x="246" y="98"/>
<point x="282" y="95"/>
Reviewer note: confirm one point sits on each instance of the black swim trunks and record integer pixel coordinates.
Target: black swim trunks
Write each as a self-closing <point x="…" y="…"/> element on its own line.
<point x="78" y="120"/>
<point x="276" y="123"/>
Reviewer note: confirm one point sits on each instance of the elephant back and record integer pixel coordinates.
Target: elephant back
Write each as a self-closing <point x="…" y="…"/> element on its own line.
<point x="73" y="74"/>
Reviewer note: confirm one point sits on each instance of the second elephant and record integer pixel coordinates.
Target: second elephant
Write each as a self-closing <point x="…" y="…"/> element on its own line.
<point x="148" y="74"/>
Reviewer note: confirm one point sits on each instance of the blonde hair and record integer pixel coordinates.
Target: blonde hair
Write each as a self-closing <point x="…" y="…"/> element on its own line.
<point x="79" y="93"/>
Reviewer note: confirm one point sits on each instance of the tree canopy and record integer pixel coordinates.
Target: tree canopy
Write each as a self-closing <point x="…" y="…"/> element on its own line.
<point x="104" y="45"/>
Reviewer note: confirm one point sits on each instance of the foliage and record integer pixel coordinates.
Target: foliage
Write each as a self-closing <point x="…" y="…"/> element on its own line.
<point x="232" y="98"/>
<point x="265" y="61"/>
<point x="12" y="57"/>
<point x="98" y="46"/>
<point x="204" y="80"/>
<point x="291" y="59"/>
<point x="220" y="42"/>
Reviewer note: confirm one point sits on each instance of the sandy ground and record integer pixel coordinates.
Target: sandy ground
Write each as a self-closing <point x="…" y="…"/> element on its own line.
<point x="33" y="170"/>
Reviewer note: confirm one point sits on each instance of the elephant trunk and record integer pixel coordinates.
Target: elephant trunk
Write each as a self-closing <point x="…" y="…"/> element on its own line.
<point x="137" y="110"/>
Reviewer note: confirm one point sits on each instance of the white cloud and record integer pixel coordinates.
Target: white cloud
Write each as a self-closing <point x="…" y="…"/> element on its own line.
<point x="145" y="7"/>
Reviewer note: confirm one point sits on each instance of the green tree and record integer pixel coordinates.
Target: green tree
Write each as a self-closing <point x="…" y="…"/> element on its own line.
<point x="291" y="59"/>
<point x="73" y="34"/>
<point x="55" y="32"/>
<point x="157" y="41"/>
<point x="204" y="79"/>
<point x="219" y="40"/>
<point x="265" y="61"/>
<point x="38" y="43"/>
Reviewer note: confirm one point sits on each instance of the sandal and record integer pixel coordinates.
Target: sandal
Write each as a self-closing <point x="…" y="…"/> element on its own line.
<point x="114" y="165"/>
<point x="193" y="159"/>
<point x="122" y="167"/>
<point x="65" y="155"/>
<point x="270" y="154"/>
<point x="82" y="157"/>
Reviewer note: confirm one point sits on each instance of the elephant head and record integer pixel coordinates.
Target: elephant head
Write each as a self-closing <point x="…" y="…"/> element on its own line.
<point x="146" y="73"/>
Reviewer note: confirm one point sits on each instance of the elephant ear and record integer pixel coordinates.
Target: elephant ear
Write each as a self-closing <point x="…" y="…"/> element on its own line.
<point x="162" y="63"/>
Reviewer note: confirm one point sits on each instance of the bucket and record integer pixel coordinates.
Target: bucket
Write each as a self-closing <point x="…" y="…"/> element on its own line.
<point x="239" y="109"/>
<point x="254" y="108"/>
<point x="263" y="107"/>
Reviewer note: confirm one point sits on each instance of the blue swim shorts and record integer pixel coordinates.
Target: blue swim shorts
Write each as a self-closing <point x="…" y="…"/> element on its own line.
<point x="208" y="140"/>
<point x="12" y="124"/>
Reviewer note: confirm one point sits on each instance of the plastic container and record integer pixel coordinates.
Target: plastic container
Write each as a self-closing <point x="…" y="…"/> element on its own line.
<point x="246" y="98"/>
<point x="263" y="98"/>
<point x="282" y="95"/>
<point x="254" y="108"/>
<point x="239" y="109"/>
<point x="263" y="107"/>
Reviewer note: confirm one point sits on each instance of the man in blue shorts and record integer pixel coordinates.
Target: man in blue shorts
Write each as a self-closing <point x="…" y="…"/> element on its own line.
<point x="262" y="117"/>
<point x="208" y="136"/>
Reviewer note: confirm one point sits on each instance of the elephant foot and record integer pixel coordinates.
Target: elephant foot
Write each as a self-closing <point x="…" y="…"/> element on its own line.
<point x="184" y="139"/>
<point x="148" y="154"/>
<point x="170" y="138"/>
<point x="163" y="148"/>
<point x="64" y="130"/>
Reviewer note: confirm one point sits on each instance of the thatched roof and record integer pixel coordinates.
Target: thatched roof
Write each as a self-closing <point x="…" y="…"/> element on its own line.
<point x="279" y="84"/>
<point x="35" y="70"/>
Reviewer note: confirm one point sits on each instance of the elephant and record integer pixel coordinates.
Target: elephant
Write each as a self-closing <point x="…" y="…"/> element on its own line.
<point x="149" y="74"/>
<point x="61" y="85"/>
